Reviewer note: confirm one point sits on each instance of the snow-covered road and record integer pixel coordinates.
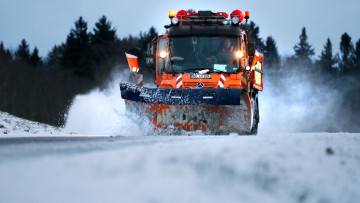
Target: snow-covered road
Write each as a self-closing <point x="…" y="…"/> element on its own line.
<point x="314" y="167"/>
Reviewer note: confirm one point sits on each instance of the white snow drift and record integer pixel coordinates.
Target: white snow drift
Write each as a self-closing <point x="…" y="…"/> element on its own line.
<point x="11" y="126"/>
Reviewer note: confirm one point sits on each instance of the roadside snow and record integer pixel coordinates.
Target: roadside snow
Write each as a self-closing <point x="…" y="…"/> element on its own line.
<point x="11" y="126"/>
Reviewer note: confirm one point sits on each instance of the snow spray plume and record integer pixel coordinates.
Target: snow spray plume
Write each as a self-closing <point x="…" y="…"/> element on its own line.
<point x="292" y="101"/>
<point x="102" y="112"/>
<point x="296" y="99"/>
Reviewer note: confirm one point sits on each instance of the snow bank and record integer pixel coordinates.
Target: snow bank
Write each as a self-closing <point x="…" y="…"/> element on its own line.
<point x="11" y="126"/>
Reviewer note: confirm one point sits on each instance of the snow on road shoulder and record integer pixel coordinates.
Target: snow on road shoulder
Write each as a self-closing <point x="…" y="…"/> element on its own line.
<point x="11" y="126"/>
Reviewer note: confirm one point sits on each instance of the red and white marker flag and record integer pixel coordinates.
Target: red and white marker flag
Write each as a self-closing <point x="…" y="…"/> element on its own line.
<point x="179" y="81"/>
<point x="134" y="68"/>
<point x="133" y="63"/>
<point x="221" y="81"/>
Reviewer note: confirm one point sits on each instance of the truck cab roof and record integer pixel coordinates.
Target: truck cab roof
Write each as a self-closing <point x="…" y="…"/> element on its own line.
<point x="186" y="30"/>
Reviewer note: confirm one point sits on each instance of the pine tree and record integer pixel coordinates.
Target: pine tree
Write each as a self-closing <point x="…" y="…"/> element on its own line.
<point x="23" y="52"/>
<point x="146" y="38"/>
<point x="2" y="48"/>
<point x="253" y="34"/>
<point x="347" y="50"/>
<point x="103" y="31"/>
<point x="55" y="56"/>
<point x="327" y="60"/>
<point x="5" y="54"/>
<point x="77" y="48"/>
<point x="272" y="58"/>
<point x="35" y="59"/>
<point x="356" y="58"/>
<point x="303" y="50"/>
<point x="79" y="36"/>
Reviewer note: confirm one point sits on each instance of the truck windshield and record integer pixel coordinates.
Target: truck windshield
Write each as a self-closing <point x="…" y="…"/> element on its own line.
<point x="196" y="53"/>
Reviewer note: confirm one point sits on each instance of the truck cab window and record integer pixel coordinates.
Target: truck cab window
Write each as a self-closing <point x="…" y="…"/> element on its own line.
<point x="216" y="53"/>
<point x="160" y="61"/>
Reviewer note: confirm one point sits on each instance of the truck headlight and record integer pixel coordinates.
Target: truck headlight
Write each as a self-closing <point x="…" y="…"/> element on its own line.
<point x="163" y="54"/>
<point x="239" y="54"/>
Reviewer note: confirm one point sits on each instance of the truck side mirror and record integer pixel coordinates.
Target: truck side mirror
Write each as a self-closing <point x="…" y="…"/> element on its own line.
<point x="251" y="47"/>
<point x="251" y="52"/>
<point x="148" y="50"/>
<point x="149" y="55"/>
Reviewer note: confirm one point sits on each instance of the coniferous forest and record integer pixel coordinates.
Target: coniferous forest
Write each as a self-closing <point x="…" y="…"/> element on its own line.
<point x="42" y="88"/>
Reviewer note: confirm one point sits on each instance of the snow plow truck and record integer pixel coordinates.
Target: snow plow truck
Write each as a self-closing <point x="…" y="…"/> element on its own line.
<point x="207" y="75"/>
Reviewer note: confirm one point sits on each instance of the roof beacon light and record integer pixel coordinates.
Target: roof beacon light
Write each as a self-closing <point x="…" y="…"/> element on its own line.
<point x="171" y="14"/>
<point x="183" y="15"/>
<point x="238" y="14"/>
<point x="225" y="15"/>
<point x="247" y="14"/>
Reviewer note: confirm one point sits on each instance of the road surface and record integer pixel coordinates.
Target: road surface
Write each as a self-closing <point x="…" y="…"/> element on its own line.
<point x="311" y="167"/>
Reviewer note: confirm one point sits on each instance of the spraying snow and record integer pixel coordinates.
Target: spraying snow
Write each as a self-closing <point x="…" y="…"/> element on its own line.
<point x="294" y="103"/>
<point x="290" y="104"/>
<point x="102" y="112"/>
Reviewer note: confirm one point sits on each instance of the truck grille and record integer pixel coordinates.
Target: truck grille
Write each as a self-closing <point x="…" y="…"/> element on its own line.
<point x="206" y="84"/>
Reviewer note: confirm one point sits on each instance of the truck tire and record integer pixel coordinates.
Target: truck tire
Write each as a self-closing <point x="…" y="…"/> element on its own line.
<point x="256" y="116"/>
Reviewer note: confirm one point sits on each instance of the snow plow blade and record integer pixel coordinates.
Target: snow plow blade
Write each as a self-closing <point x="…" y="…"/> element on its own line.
<point x="213" y="110"/>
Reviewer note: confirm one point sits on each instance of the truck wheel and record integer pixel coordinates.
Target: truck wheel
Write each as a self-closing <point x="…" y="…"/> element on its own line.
<point x="254" y="128"/>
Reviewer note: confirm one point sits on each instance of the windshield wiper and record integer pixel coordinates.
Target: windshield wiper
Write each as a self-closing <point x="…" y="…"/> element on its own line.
<point x="177" y="58"/>
<point x="194" y="69"/>
<point x="220" y="71"/>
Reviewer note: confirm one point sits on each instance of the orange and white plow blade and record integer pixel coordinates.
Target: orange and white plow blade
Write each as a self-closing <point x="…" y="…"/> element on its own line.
<point x="219" y="119"/>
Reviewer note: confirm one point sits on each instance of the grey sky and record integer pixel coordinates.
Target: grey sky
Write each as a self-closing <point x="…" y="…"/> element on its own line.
<point x="45" y="23"/>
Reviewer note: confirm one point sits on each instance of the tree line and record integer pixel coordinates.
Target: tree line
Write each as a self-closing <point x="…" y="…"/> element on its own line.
<point x="42" y="89"/>
<point x="345" y="62"/>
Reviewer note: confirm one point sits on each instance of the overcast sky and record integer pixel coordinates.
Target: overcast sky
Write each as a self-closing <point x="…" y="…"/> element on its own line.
<point x="45" y="23"/>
